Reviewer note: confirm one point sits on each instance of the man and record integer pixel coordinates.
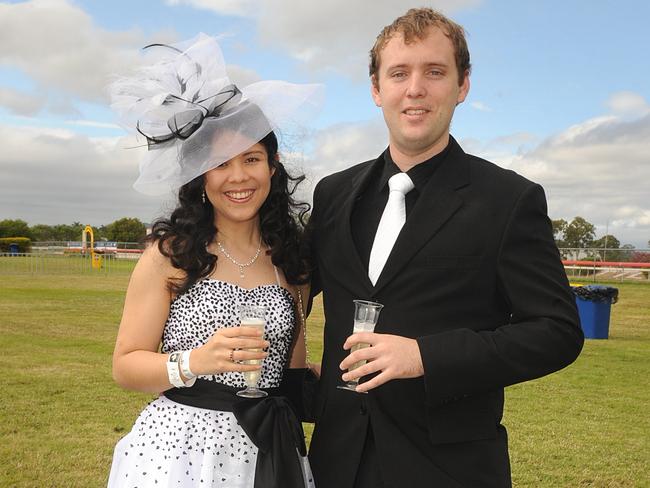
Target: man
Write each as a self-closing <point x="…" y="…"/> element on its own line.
<point x="475" y="297"/>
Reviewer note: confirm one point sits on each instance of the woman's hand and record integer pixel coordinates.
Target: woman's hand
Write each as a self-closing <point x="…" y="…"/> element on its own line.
<point x="226" y="349"/>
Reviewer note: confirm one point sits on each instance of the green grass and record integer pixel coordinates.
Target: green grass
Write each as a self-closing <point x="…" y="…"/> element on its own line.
<point x="588" y="426"/>
<point x="61" y="413"/>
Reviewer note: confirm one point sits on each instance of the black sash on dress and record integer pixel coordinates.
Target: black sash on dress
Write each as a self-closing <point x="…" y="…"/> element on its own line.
<point x="270" y="422"/>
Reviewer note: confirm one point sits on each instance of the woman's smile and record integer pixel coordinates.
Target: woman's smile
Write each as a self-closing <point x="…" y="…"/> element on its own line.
<point x="239" y="196"/>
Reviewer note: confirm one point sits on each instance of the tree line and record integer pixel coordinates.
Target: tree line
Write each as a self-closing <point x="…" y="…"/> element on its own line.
<point x="580" y="234"/>
<point x="577" y="234"/>
<point x="122" y="230"/>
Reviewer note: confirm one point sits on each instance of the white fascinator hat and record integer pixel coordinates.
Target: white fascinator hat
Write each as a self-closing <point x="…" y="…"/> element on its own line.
<point x="184" y="102"/>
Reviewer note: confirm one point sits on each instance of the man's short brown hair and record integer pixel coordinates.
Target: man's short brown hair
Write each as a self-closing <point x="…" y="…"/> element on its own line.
<point x="414" y="25"/>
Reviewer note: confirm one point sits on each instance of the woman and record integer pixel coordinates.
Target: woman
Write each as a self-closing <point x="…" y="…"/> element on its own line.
<point x="232" y="241"/>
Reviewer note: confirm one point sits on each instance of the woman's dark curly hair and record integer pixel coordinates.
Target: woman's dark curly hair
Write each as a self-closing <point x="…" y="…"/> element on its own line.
<point x="185" y="235"/>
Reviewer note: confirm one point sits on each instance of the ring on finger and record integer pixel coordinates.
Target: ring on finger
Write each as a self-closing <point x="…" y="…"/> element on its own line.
<point x="230" y="356"/>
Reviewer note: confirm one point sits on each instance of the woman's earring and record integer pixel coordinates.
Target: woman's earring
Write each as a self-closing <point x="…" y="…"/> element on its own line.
<point x="203" y="196"/>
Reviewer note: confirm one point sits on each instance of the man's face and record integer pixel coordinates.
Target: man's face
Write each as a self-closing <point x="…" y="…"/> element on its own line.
<point x="417" y="89"/>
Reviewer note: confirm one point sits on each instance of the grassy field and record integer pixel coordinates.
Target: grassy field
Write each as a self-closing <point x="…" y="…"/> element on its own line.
<point x="61" y="414"/>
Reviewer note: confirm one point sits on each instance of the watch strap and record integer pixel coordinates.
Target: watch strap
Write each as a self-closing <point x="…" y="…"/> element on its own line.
<point x="185" y="365"/>
<point x="174" y="373"/>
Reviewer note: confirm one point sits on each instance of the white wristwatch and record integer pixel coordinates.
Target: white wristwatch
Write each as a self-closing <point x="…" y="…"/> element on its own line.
<point x="174" y="372"/>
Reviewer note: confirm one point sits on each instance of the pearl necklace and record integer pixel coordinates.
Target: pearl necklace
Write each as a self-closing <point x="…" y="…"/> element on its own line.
<point x="237" y="263"/>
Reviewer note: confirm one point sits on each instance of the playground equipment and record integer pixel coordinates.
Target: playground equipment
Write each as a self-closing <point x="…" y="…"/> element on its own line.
<point x="95" y="259"/>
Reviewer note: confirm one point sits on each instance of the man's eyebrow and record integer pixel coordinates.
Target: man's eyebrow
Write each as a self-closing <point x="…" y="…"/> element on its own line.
<point x="442" y="64"/>
<point x="394" y="66"/>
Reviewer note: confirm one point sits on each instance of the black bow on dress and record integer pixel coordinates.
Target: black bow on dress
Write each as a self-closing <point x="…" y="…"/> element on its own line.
<point x="273" y="427"/>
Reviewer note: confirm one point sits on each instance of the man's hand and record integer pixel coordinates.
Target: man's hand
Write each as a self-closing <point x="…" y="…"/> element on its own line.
<point x="392" y="356"/>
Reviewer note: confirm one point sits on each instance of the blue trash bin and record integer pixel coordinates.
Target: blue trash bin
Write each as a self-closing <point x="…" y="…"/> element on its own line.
<point x="594" y="307"/>
<point x="14" y="249"/>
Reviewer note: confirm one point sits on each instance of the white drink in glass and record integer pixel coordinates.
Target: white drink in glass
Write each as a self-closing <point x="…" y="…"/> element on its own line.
<point x="366" y="315"/>
<point x="252" y="316"/>
<point x="361" y="327"/>
<point x="252" y="377"/>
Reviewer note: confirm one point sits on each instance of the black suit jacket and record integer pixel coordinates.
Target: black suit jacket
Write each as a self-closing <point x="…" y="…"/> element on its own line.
<point x="476" y="278"/>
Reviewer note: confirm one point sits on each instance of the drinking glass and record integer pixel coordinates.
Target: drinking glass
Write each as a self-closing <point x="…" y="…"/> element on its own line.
<point x="366" y="315"/>
<point x="252" y="316"/>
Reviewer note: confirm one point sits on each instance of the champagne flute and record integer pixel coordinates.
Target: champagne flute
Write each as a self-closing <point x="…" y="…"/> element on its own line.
<point x="366" y="315"/>
<point x="252" y="316"/>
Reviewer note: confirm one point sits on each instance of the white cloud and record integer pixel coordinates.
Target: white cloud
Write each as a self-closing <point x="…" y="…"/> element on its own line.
<point x="63" y="50"/>
<point x="628" y="103"/>
<point x="69" y="57"/>
<point x="55" y="176"/>
<point x="334" y="149"/>
<point x="93" y="123"/>
<point x="505" y="150"/>
<point x="242" y="76"/>
<point x="326" y="35"/>
<point x="226" y="7"/>
<point x="336" y="34"/>
<point x="344" y="145"/>
<point x="631" y="216"/>
<point x="21" y="103"/>
<point x="480" y="106"/>
<point x="598" y="170"/>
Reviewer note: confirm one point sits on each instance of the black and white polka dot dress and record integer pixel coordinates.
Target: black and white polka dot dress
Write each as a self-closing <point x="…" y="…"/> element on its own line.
<point x="175" y="445"/>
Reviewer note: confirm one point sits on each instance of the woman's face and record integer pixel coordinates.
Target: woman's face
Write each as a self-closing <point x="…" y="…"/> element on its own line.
<point x="238" y="188"/>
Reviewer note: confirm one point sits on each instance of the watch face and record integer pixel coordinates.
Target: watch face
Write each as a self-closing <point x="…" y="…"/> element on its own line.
<point x="174" y="357"/>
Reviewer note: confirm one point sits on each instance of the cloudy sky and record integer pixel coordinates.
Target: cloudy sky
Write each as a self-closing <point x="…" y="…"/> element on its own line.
<point x="560" y="93"/>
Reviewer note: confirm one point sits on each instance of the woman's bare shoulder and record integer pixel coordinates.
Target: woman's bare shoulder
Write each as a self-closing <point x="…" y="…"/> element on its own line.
<point x="155" y="264"/>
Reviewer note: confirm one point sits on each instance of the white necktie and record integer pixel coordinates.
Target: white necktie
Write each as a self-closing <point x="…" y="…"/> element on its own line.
<point x="392" y="221"/>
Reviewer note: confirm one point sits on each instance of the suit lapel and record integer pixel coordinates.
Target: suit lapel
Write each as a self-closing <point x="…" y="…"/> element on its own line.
<point x="437" y="204"/>
<point x="349" y="251"/>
